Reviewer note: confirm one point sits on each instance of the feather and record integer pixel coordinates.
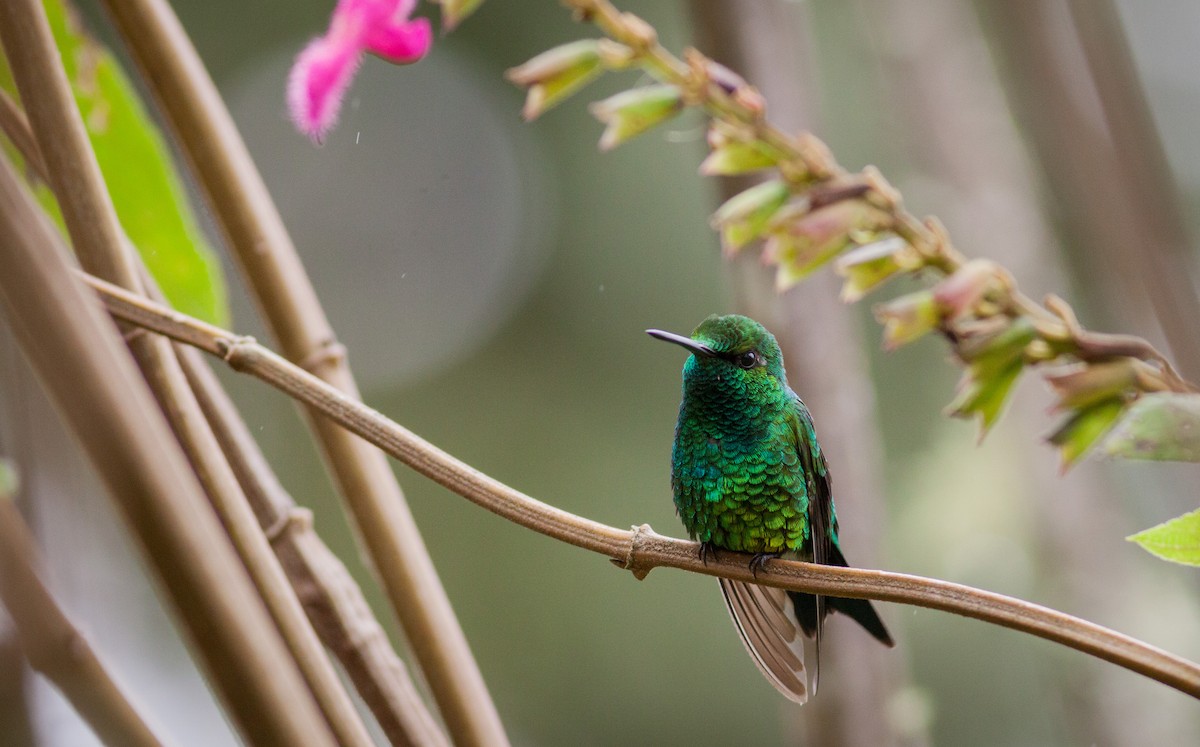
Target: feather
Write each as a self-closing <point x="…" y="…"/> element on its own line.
<point x="766" y="621"/>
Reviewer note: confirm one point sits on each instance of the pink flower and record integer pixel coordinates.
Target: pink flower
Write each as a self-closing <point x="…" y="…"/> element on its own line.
<point x="323" y="71"/>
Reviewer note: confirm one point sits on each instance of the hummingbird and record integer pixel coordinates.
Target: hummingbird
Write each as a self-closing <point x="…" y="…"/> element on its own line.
<point x="748" y="475"/>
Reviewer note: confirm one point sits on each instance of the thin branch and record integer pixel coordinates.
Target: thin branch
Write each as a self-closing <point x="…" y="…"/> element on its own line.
<point x="260" y="241"/>
<point x="84" y="366"/>
<point x="173" y="390"/>
<point x="87" y="208"/>
<point x="15" y="126"/>
<point x="56" y="648"/>
<point x="641" y="550"/>
<point x="331" y="597"/>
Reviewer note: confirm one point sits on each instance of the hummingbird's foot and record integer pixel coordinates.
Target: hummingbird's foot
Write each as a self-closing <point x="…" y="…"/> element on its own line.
<point x="760" y="559"/>
<point x="707" y="549"/>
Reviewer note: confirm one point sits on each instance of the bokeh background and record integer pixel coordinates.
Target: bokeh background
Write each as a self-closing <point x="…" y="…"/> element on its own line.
<point x="492" y="280"/>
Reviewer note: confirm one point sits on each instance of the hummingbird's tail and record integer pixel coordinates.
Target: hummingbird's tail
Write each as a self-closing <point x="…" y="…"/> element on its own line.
<point x="771" y="632"/>
<point x="860" y="610"/>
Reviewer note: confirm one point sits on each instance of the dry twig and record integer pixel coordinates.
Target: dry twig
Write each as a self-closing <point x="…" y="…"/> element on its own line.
<point x="56" y="648"/>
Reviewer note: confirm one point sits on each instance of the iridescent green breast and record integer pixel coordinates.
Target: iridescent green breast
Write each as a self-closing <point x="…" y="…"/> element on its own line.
<point x="737" y="475"/>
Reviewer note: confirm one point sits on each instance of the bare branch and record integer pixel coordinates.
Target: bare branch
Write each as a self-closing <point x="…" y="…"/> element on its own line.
<point x="99" y="241"/>
<point x="330" y="596"/>
<point x="84" y="365"/>
<point x="56" y="648"/>
<point x="260" y="241"/>
<point x="641" y="550"/>
<point x="173" y="391"/>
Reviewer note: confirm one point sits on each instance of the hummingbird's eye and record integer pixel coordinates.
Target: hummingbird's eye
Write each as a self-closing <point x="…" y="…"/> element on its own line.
<point x="747" y="360"/>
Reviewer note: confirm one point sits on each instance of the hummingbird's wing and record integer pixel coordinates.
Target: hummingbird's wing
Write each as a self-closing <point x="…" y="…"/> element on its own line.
<point x="822" y="522"/>
<point x="810" y="610"/>
<point x="769" y="628"/>
<point x="821" y="516"/>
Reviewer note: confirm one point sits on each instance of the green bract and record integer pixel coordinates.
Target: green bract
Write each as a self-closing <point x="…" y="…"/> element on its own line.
<point x="744" y="217"/>
<point x="554" y="75"/>
<point x="1084" y="428"/>
<point x="632" y="112"/>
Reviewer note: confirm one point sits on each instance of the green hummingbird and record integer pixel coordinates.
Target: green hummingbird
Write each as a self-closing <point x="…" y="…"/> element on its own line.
<point x="748" y="475"/>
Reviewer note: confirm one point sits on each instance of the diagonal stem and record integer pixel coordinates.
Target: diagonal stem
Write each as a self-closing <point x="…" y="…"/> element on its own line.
<point x="641" y="550"/>
<point x="332" y="598"/>
<point x="57" y="649"/>
<point x="254" y="675"/>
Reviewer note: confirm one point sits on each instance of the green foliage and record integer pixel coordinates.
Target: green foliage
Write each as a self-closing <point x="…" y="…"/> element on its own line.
<point x="148" y="194"/>
<point x="1164" y="427"/>
<point x="1177" y="540"/>
<point x="1075" y="436"/>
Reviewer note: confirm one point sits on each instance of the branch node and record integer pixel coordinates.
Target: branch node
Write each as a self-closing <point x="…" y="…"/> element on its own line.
<point x="234" y="349"/>
<point x="330" y="353"/>
<point x="633" y="562"/>
<point x="294" y="520"/>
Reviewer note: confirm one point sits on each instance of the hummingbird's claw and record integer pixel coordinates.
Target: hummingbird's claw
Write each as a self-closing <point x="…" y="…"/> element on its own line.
<point x="707" y="549"/>
<point x="760" y="559"/>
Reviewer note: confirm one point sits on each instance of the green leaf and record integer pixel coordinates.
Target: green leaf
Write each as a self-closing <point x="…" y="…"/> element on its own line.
<point x="1075" y="436"/>
<point x="146" y="190"/>
<point x="984" y="393"/>
<point x="1163" y="427"/>
<point x="1177" y="540"/>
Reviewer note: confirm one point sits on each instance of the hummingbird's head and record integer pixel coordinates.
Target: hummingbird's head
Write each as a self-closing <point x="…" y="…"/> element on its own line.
<point x="731" y="351"/>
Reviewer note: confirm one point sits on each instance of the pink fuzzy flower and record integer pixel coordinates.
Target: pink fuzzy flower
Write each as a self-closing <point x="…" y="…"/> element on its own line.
<point x="323" y="71"/>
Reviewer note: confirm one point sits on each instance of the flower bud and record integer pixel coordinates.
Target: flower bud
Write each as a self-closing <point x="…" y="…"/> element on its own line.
<point x="1081" y="385"/>
<point x="907" y="318"/>
<point x="455" y="12"/>
<point x="802" y="245"/>
<point x="960" y="293"/>
<point x="743" y="217"/>
<point x="632" y="112"/>
<point x="868" y="267"/>
<point x="994" y="348"/>
<point x="555" y="74"/>
<point x="737" y="158"/>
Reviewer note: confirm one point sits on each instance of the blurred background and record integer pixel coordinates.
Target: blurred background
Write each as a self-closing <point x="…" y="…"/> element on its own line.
<point x="492" y="280"/>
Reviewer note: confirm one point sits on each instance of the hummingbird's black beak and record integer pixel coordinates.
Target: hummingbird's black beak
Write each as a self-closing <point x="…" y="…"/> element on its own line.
<point x="698" y="348"/>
